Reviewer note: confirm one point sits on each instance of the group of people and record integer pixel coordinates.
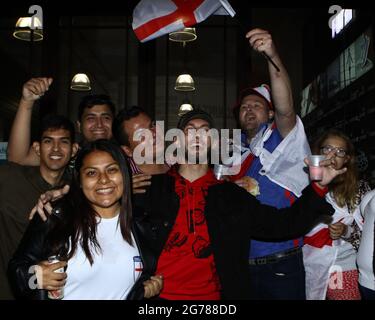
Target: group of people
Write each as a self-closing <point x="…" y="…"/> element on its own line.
<point x="128" y="230"/>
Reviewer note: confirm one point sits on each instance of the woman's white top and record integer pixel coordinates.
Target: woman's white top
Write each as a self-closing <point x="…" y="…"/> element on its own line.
<point x="114" y="271"/>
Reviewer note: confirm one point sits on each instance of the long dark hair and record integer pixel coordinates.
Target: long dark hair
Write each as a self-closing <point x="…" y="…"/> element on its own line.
<point x="78" y="223"/>
<point x="345" y="186"/>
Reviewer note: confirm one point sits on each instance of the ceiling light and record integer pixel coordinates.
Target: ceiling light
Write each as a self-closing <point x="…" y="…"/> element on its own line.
<point x="23" y="29"/>
<point x="184" y="82"/>
<point x="184" y="35"/>
<point x="80" y="82"/>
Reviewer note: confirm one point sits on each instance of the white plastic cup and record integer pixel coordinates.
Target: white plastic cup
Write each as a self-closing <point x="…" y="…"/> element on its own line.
<point x="220" y="170"/>
<point x="316" y="172"/>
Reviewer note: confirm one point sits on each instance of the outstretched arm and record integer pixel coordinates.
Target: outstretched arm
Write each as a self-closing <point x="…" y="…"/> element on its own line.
<point x="19" y="150"/>
<point x="268" y="223"/>
<point x="281" y="89"/>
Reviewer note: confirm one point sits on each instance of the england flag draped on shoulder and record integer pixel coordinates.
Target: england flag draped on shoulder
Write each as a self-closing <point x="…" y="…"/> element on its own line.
<point x="320" y="252"/>
<point x="154" y="18"/>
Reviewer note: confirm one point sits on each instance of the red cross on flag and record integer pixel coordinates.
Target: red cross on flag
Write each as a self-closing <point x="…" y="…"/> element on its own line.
<point x="154" y="18"/>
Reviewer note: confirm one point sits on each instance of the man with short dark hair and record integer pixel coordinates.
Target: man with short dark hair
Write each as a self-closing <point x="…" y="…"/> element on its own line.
<point x="21" y="186"/>
<point x="123" y="136"/>
<point x="95" y="117"/>
<point x="127" y="123"/>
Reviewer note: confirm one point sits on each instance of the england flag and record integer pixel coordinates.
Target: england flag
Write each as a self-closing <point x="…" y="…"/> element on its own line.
<point x="154" y="18"/>
<point x="320" y="252"/>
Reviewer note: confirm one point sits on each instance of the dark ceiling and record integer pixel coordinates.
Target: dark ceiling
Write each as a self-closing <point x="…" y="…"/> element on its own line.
<point x="99" y="42"/>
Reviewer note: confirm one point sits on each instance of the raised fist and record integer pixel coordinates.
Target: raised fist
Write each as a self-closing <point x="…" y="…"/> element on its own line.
<point x="35" y="88"/>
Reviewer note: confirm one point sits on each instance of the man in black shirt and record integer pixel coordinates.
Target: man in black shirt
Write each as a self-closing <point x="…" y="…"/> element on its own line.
<point x="21" y="186"/>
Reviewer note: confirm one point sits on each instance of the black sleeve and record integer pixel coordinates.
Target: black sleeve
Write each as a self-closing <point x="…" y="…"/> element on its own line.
<point x="271" y="224"/>
<point x="30" y="252"/>
<point x="137" y="292"/>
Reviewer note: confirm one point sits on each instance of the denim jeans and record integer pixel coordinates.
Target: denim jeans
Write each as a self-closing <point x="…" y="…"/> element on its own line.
<point x="281" y="280"/>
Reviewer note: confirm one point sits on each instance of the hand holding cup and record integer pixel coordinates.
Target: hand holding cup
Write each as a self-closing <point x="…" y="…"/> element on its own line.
<point x="328" y="172"/>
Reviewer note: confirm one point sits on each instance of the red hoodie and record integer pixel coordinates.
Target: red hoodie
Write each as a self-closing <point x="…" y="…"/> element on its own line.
<point x="186" y="261"/>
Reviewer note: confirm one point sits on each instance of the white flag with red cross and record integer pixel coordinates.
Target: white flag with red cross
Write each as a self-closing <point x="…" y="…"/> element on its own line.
<point x="154" y="18"/>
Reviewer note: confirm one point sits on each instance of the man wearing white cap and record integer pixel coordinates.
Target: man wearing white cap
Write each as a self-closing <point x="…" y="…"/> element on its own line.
<point x="274" y="145"/>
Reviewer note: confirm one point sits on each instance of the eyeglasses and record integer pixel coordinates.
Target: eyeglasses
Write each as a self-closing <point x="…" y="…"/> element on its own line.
<point x="339" y="152"/>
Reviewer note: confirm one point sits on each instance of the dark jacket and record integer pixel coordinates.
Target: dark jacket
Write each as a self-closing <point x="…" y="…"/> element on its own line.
<point x="233" y="217"/>
<point x="34" y="248"/>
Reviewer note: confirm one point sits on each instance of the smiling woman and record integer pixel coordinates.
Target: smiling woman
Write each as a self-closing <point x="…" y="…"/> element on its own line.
<point x="102" y="183"/>
<point x="94" y="235"/>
